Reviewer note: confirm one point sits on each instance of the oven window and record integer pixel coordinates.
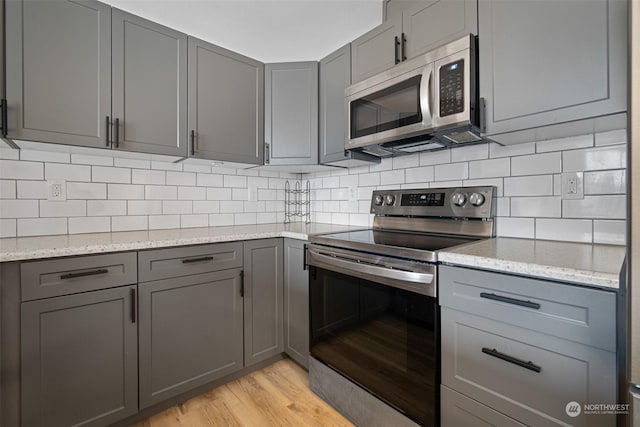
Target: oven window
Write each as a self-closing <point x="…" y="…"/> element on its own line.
<point x="380" y="337"/>
<point x="390" y="108"/>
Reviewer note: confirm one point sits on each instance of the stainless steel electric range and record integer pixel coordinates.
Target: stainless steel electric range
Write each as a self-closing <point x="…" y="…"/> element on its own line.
<point x="374" y="316"/>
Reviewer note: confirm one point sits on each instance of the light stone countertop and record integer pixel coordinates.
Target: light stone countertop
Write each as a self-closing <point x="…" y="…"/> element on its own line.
<point x="28" y="248"/>
<point x="582" y="263"/>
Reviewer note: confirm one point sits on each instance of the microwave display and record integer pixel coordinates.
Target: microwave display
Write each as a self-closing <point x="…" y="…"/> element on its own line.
<point x="390" y="108"/>
<point x="452" y="88"/>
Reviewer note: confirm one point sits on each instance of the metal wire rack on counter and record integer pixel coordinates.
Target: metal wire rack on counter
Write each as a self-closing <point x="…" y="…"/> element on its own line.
<point x="297" y="202"/>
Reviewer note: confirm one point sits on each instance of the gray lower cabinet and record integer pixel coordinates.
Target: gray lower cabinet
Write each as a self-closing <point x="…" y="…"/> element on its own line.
<point x="58" y="71"/>
<point x="460" y="411"/>
<point x="424" y="26"/>
<point x="190" y="332"/>
<point x="263" y="287"/>
<point x="79" y="359"/>
<point x="296" y="302"/>
<point x="543" y="63"/>
<point x="226" y="104"/>
<point x="150" y="112"/>
<point x="524" y="348"/>
<point x="291" y="113"/>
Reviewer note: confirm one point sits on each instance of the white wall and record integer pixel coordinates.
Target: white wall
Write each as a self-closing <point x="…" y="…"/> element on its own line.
<point x="528" y="178"/>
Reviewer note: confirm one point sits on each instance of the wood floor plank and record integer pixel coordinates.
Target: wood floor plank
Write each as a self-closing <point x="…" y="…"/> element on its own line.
<point x="277" y="395"/>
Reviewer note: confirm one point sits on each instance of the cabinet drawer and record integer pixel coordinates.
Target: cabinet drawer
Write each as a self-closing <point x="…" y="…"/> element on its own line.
<point x="526" y="375"/>
<point x="176" y="262"/>
<point x="458" y="410"/>
<point x="572" y="312"/>
<point x="50" y="278"/>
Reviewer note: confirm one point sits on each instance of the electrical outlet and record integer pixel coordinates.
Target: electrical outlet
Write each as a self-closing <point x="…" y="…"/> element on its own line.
<point x="572" y="185"/>
<point x="252" y="192"/>
<point x="57" y="190"/>
<point x="353" y="193"/>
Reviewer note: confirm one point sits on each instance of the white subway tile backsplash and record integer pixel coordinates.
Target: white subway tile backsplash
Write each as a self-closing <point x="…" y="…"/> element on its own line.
<point x="266" y="217"/>
<point x="231" y="181"/>
<point x="173" y="207"/>
<point x="207" y="207"/>
<point x="430" y="158"/>
<point x="596" y="207"/>
<point x="269" y="173"/>
<point x="141" y="176"/>
<point x="129" y="223"/>
<point x="340" y="218"/>
<point x="191" y="221"/>
<point x="32" y="189"/>
<point x="582" y="141"/>
<point x="218" y="194"/>
<point x="369" y="179"/>
<point x="19" y="209"/>
<point x="339" y="194"/>
<point x="90" y="225"/>
<point x="8" y="228"/>
<point x="160" y="192"/>
<point x="106" y="207"/>
<point x="239" y="194"/>
<point x="497" y="150"/>
<point x="384" y="165"/>
<point x="192" y="193"/>
<point x="144" y="207"/>
<point x="323" y="217"/>
<point x="9" y="153"/>
<point x="166" y="166"/>
<point x="68" y="208"/>
<point x="108" y="174"/>
<point x="452" y="171"/>
<point x="245" y="218"/>
<point x="545" y="207"/>
<point x="536" y="164"/>
<point x="209" y="180"/>
<point x="264" y="194"/>
<point x="392" y="177"/>
<point x="15" y="169"/>
<point x="471" y="152"/>
<point x="85" y="190"/>
<point x="86" y="159"/>
<point x="274" y="206"/>
<point x="44" y="156"/>
<point x="7" y="189"/>
<point x="610" y="232"/>
<point x="126" y="191"/>
<point x="537" y="185"/>
<point x="404" y="162"/>
<point x="605" y="182"/>
<point x="611" y="137"/>
<point x="515" y="227"/>
<point x="347" y="206"/>
<point x="359" y="220"/>
<point x="557" y="185"/>
<point x="573" y="230"/>
<point x="441" y="184"/>
<point x="220" y="219"/>
<point x="491" y="168"/>
<point x="133" y="164"/>
<point x="160" y="222"/>
<point x="181" y="178"/>
<point x="503" y="206"/>
<point x="331" y="182"/>
<point x="255" y="206"/>
<point x="611" y="157"/>
<point x="41" y="226"/>
<point x="495" y="182"/>
<point x="227" y="206"/>
<point x="348" y="181"/>
<point x="196" y="168"/>
<point x="423" y="174"/>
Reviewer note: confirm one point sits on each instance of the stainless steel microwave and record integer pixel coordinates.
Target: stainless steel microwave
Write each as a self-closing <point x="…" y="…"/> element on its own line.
<point x="426" y="103"/>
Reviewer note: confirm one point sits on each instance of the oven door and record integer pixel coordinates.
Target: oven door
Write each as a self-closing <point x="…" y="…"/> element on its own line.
<point x="381" y="336"/>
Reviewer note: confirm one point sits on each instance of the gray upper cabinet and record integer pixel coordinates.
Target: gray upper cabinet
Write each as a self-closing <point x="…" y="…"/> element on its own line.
<point x="190" y="333"/>
<point x="416" y="30"/>
<point x="296" y="302"/>
<point x="543" y="63"/>
<point x="59" y="71"/>
<point x="263" y="287"/>
<point x="291" y="113"/>
<point x="149" y="92"/>
<point x="226" y="104"/>
<point x="79" y="359"/>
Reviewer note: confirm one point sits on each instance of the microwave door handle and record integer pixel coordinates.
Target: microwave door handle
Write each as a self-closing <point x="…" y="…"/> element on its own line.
<point x="426" y="96"/>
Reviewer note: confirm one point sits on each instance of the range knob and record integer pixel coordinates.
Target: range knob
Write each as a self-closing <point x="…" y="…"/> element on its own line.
<point x="476" y="199"/>
<point x="458" y="199"/>
<point x="378" y="200"/>
<point x="389" y="199"/>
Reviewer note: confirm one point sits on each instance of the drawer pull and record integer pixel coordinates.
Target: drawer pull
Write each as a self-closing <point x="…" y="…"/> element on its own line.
<point x="204" y="258"/>
<point x="527" y="365"/>
<point x="83" y="274"/>
<point x="514" y="301"/>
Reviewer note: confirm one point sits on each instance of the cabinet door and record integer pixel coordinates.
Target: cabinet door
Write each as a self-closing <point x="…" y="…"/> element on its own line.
<point x="149" y="86"/>
<point x="226" y="104"/>
<point x="296" y="302"/>
<point x="262" y="299"/>
<point x="79" y="359"/>
<point x="543" y="62"/>
<point x="376" y="50"/>
<point x="291" y="113"/>
<point x="459" y="410"/>
<point x="431" y="24"/>
<point x="59" y="71"/>
<point x="190" y="333"/>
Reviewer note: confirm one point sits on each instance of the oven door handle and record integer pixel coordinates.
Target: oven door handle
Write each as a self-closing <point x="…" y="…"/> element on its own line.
<point x="345" y="265"/>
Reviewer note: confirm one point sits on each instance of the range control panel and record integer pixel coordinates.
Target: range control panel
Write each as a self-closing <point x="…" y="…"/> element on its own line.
<point x="453" y="202"/>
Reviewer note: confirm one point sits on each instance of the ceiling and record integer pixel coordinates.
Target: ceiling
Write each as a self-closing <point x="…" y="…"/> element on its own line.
<point x="267" y="30"/>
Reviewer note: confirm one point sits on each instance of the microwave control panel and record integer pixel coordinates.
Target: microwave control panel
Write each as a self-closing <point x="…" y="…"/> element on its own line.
<point x="452" y="88"/>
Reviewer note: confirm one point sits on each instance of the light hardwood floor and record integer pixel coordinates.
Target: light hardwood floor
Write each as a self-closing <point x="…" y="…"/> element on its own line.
<point x="277" y="395"/>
